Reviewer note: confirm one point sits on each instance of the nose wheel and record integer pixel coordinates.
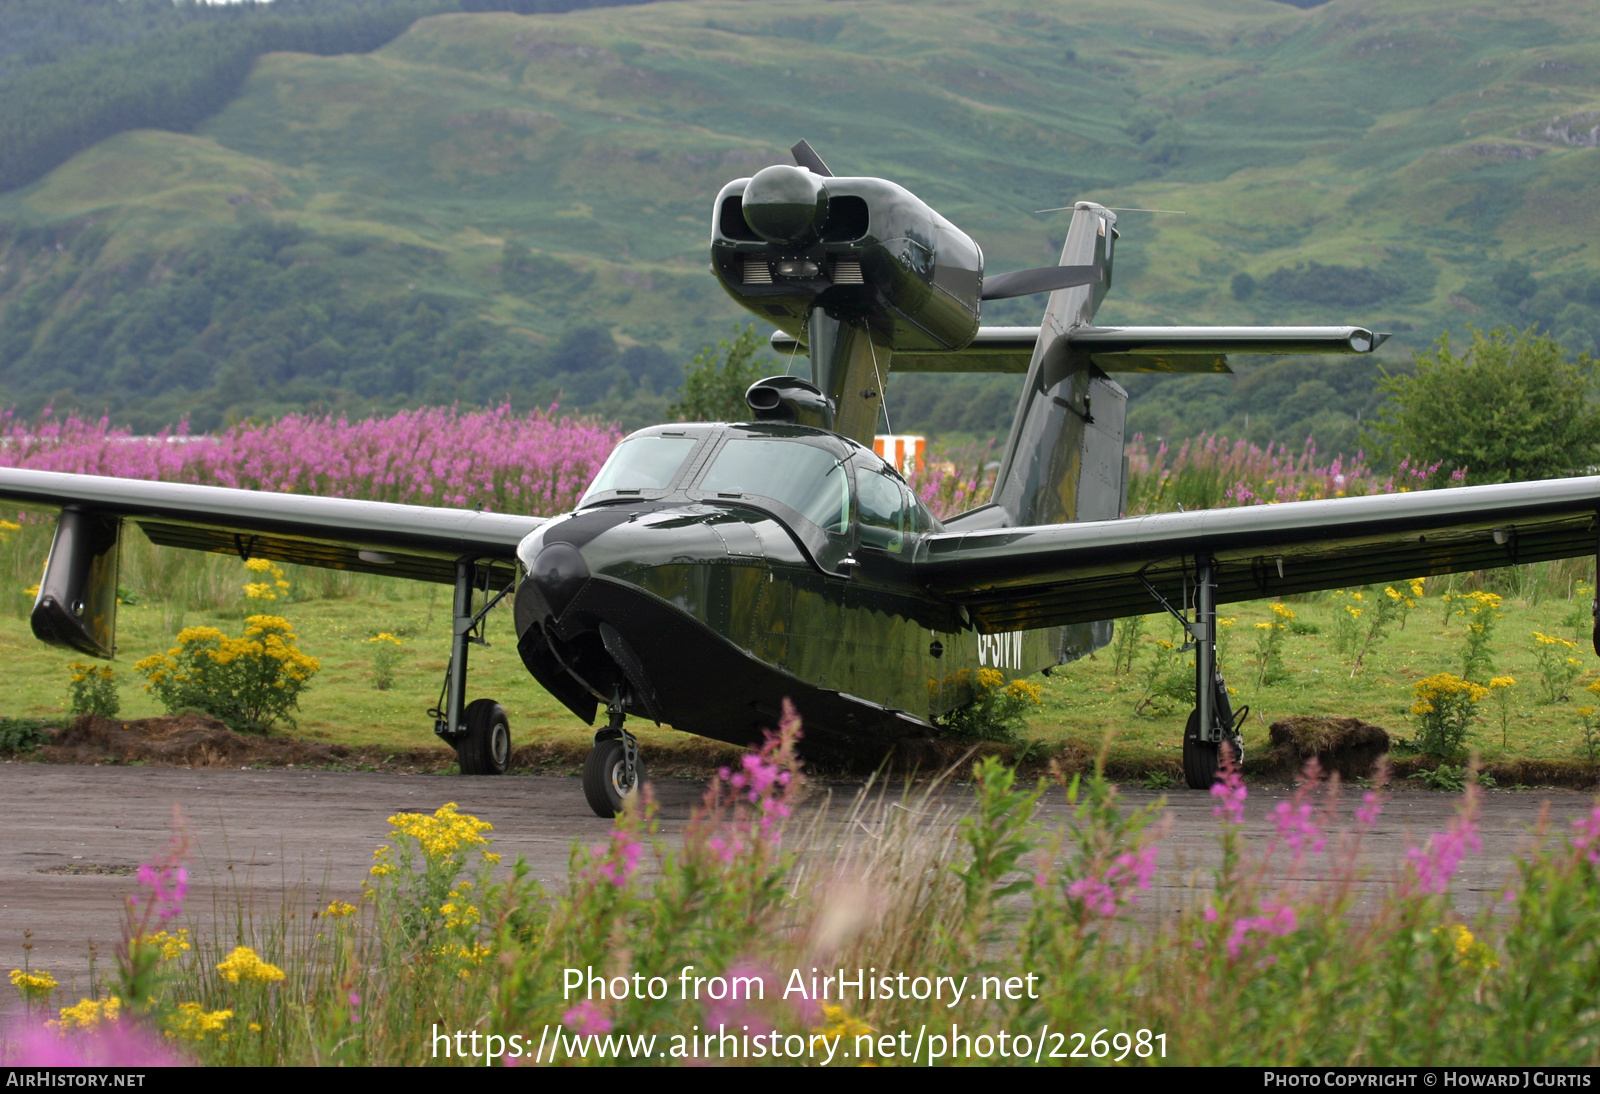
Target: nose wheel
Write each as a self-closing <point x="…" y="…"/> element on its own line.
<point x="613" y="771"/>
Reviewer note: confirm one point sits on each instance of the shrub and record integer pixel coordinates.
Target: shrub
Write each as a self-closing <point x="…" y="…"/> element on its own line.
<point x="1269" y="646"/>
<point x="997" y="710"/>
<point x="1347" y="621"/>
<point x="1591" y="733"/>
<point x="1477" y="654"/>
<point x="1125" y="643"/>
<point x="93" y="690"/>
<point x="21" y="735"/>
<point x="1500" y="688"/>
<point x="1169" y="681"/>
<point x="386" y="657"/>
<point x="1445" y="707"/>
<point x="270" y="584"/>
<point x="248" y="682"/>
<point x="1511" y="408"/>
<point x="715" y="382"/>
<point x="1558" y="668"/>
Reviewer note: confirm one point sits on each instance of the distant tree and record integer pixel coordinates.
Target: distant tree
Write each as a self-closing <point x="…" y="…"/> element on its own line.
<point x="1513" y="407"/>
<point x="714" y="383"/>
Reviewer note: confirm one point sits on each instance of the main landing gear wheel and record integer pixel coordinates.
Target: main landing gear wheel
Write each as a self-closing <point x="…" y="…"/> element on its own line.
<point x="1200" y="758"/>
<point x="485" y="747"/>
<point x="605" y="776"/>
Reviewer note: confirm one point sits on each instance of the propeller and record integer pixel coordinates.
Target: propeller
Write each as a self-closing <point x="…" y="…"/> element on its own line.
<point x="1042" y="279"/>
<point x="807" y="157"/>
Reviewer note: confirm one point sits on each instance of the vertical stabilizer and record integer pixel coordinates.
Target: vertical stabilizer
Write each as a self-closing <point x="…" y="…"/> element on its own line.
<point x="1063" y="460"/>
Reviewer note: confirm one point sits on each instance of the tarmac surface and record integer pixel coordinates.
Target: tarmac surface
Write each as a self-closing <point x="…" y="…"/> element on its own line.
<point x="75" y="834"/>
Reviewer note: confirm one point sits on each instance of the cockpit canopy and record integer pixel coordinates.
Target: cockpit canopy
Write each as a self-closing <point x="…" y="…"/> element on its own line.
<point x="792" y="471"/>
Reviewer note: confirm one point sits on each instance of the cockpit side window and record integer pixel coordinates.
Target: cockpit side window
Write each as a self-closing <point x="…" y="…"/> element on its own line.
<point x="810" y="480"/>
<point x="883" y="507"/>
<point x="641" y="463"/>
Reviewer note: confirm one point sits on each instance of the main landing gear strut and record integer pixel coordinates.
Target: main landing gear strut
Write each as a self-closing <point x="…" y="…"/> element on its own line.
<point x="478" y="731"/>
<point x="613" y="770"/>
<point x="1212" y="721"/>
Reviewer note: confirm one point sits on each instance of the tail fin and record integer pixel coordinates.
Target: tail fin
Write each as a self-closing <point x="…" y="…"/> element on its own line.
<point x="1063" y="460"/>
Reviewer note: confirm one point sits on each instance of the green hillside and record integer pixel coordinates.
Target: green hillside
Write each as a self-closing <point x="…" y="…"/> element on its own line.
<point x="500" y="205"/>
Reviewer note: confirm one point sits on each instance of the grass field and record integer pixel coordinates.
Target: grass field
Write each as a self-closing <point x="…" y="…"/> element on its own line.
<point x="337" y="615"/>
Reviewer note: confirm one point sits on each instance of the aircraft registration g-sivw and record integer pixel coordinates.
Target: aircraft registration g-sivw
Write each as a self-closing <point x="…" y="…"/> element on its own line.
<point x="714" y="569"/>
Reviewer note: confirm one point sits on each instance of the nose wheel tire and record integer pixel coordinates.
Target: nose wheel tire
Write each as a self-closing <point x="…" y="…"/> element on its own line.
<point x="485" y="747"/>
<point x="605" y="780"/>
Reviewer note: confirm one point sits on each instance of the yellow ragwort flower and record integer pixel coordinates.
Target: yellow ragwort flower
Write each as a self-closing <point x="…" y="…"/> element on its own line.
<point x="33" y="985"/>
<point x="171" y="945"/>
<point x="836" y="1022"/>
<point x="989" y="679"/>
<point x="338" y="910"/>
<point x="442" y="834"/>
<point x="244" y="965"/>
<point x="1503" y="682"/>
<point x="191" y="1023"/>
<point x="1025" y="689"/>
<point x="87" y="1014"/>
<point x="1469" y="952"/>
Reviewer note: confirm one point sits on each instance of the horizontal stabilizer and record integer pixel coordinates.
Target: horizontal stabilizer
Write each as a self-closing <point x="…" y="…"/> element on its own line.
<point x="995" y="349"/>
<point x="1205" y="349"/>
<point x="1043" y="279"/>
<point x="1130" y="349"/>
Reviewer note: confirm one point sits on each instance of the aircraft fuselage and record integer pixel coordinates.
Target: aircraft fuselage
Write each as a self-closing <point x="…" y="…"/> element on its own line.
<point x="705" y="607"/>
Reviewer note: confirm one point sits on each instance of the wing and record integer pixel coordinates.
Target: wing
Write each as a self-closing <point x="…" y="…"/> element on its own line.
<point x="1128" y="349"/>
<point x="1021" y="578"/>
<point x="411" y="541"/>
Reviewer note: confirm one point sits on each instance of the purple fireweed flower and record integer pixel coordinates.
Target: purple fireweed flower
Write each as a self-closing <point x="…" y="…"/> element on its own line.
<point x="1297" y="829"/>
<point x="117" y="1044"/>
<point x="1229" y="790"/>
<point x="162" y="887"/>
<point x="586" y="1019"/>
<point x="1370" y="809"/>
<point x="1433" y="866"/>
<point x="1274" y="920"/>
<point x="536" y="463"/>
<point x="734" y="1011"/>
<point x="623" y="859"/>
<point x="1129" y="874"/>
<point x="1586" y="835"/>
<point x="744" y="808"/>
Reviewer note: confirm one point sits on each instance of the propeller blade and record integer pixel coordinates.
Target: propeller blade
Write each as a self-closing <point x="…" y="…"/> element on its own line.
<point x="807" y="157"/>
<point x="1042" y="279"/>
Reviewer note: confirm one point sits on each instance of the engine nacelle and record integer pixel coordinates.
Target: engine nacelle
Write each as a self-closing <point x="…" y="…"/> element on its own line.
<point x="77" y="602"/>
<point x="862" y="249"/>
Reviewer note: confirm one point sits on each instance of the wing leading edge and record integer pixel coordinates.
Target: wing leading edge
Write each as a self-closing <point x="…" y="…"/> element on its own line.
<point x="410" y="541"/>
<point x="1129" y="349"/>
<point x="1022" y="578"/>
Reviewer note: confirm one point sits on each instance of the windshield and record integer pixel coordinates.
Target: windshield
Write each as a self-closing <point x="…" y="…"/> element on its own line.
<point x="642" y="463"/>
<point x="807" y="479"/>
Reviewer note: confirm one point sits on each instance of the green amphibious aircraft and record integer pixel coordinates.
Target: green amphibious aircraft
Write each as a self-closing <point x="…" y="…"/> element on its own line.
<point x="714" y="569"/>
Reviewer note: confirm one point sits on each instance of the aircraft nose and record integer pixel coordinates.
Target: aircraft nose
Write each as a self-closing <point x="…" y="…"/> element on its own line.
<point x="558" y="573"/>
